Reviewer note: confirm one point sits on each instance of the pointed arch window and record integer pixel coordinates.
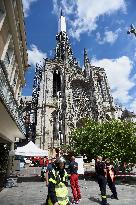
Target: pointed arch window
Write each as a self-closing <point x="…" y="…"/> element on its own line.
<point x="56" y="82"/>
<point x="101" y="86"/>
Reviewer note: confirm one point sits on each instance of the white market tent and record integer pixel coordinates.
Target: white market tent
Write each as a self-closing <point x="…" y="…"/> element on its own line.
<point x="29" y="150"/>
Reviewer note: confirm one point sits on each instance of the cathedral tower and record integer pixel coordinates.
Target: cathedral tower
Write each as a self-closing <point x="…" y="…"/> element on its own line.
<point x="67" y="94"/>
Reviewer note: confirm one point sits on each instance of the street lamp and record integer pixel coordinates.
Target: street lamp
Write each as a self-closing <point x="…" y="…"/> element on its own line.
<point x="132" y="30"/>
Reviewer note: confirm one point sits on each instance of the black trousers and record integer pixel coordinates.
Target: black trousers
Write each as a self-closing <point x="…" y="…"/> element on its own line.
<point x="112" y="187"/>
<point x="46" y="203"/>
<point x="102" y="184"/>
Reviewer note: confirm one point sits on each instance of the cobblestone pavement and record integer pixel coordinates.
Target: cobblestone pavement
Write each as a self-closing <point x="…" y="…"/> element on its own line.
<point x="31" y="191"/>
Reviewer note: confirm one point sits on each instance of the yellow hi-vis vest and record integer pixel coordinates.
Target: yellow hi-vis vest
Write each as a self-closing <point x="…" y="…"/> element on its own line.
<point x="60" y="189"/>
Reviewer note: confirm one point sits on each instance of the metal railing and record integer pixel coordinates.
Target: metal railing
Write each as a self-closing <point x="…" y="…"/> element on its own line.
<point x="7" y="96"/>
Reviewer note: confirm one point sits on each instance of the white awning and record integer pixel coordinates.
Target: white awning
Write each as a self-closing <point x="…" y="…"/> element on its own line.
<point x="29" y="150"/>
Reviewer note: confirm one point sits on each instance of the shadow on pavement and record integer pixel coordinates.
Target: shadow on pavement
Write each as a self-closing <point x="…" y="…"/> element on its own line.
<point x="70" y="199"/>
<point x="29" y="179"/>
<point x="95" y="200"/>
<point x="120" y="180"/>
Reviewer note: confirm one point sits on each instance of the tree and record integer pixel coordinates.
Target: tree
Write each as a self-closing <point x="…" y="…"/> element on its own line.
<point x="112" y="139"/>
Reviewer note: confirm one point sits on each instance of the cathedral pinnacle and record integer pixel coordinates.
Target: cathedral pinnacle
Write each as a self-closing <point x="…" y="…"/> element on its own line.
<point x="86" y="64"/>
<point x="62" y="22"/>
<point x="86" y="59"/>
<point x="61" y="13"/>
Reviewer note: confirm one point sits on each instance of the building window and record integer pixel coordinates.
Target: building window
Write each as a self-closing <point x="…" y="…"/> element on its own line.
<point x="101" y="87"/>
<point x="7" y="59"/>
<point x="8" y="56"/>
<point x="2" y="13"/>
<point x="14" y="3"/>
<point x="15" y="79"/>
<point x="14" y="82"/>
<point x="56" y="83"/>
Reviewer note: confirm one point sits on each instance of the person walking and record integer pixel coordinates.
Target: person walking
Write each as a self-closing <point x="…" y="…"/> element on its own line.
<point x="57" y="189"/>
<point x="111" y="179"/>
<point x="73" y="168"/>
<point x="100" y="169"/>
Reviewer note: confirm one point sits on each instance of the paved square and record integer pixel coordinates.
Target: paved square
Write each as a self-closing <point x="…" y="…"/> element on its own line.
<point x="31" y="191"/>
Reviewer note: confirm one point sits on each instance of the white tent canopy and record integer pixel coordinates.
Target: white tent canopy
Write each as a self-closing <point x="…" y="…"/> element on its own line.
<point x="29" y="150"/>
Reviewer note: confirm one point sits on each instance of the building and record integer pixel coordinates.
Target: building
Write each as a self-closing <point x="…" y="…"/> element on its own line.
<point x="64" y="93"/>
<point x="13" y="64"/>
<point x="128" y="116"/>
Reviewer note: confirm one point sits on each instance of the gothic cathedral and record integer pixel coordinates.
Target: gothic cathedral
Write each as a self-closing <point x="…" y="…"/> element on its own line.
<point x="67" y="93"/>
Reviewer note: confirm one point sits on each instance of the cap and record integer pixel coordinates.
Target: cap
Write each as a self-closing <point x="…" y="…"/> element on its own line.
<point x="60" y="160"/>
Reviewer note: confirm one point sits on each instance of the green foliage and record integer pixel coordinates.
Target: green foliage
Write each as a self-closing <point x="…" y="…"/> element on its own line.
<point x="112" y="139"/>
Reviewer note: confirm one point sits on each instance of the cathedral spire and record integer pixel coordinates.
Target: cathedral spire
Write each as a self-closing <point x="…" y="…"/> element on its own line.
<point x="62" y="22"/>
<point x="61" y="13"/>
<point x="63" y="47"/>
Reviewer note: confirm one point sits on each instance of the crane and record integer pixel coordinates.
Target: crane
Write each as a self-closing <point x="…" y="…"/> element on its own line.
<point x="132" y="30"/>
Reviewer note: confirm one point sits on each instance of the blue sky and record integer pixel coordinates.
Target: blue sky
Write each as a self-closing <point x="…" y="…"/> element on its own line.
<point x="99" y="26"/>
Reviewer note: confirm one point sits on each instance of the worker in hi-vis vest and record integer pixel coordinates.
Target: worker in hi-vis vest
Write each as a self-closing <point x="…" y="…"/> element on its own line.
<point x="100" y="169"/>
<point x="57" y="189"/>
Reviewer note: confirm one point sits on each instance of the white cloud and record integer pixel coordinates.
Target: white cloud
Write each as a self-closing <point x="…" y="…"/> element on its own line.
<point x="35" y="55"/>
<point x="87" y="12"/>
<point x="66" y="6"/>
<point x="133" y="106"/>
<point x="118" y="72"/>
<point x="109" y="37"/>
<point x="26" y="6"/>
<point x="55" y="7"/>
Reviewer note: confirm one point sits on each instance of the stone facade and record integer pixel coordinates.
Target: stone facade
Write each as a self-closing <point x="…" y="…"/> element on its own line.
<point x="13" y="65"/>
<point x="68" y="93"/>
